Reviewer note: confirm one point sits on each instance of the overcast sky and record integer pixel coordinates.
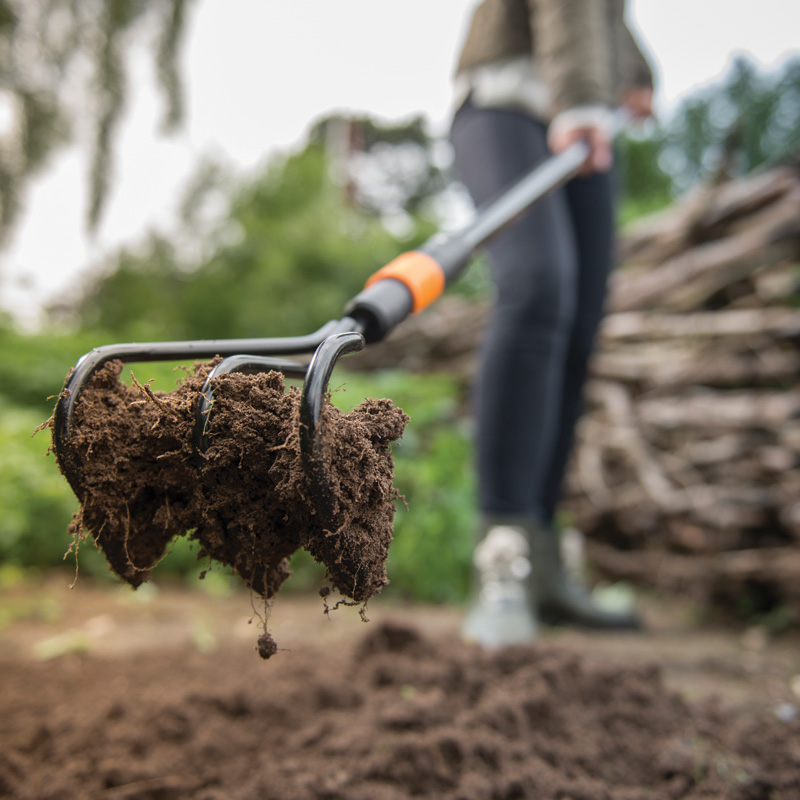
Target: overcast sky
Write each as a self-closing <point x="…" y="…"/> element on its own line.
<point x="259" y="71"/>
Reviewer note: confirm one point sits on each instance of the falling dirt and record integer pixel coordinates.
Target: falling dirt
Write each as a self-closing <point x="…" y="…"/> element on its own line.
<point x="390" y="715"/>
<point x="246" y="500"/>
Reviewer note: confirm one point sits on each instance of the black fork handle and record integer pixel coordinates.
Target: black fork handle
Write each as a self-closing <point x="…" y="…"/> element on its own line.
<point x="415" y="280"/>
<point x="453" y="253"/>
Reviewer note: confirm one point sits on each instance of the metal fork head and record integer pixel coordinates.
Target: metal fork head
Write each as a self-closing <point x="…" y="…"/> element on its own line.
<point x="317" y="376"/>
<point x="330" y="343"/>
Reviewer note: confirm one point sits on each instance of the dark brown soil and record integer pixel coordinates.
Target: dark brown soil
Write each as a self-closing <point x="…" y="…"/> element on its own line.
<point x="246" y="499"/>
<point x="391" y="715"/>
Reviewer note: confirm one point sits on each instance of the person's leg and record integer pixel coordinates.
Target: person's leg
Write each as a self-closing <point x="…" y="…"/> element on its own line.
<point x="532" y="370"/>
<point x="591" y="203"/>
<point x="560" y="599"/>
<point x="534" y="268"/>
<point x="522" y="359"/>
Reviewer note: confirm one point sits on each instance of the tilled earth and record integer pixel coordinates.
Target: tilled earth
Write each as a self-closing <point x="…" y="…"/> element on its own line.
<point x="160" y="695"/>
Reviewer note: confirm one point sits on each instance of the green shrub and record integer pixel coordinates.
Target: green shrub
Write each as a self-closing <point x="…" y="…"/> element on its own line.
<point x="429" y="559"/>
<point x="36" y="503"/>
<point x="33" y="367"/>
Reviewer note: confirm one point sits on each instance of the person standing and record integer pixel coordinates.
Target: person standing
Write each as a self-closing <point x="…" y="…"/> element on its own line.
<point x="533" y="77"/>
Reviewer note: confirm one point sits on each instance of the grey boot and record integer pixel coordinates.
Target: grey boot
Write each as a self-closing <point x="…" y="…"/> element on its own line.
<point x="558" y="597"/>
<point x="501" y="613"/>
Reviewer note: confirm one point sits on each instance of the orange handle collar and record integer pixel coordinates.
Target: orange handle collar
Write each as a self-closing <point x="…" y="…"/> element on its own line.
<point x="419" y="272"/>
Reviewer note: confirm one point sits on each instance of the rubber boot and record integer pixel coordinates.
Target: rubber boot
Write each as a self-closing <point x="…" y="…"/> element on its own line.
<point x="502" y="612"/>
<point x="561" y="599"/>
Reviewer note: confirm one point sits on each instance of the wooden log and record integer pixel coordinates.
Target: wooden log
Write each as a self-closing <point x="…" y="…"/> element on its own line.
<point x="685" y="280"/>
<point x="705" y="577"/>
<point x="704" y="451"/>
<point x="780" y="322"/>
<point x="789" y="436"/>
<point x="666" y="365"/>
<point x="714" y="410"/>
<point x="776" y="284"/>
<point x="662" y="236"/>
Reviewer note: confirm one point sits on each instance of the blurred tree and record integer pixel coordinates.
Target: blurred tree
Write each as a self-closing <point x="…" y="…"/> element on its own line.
<point x="284" y="257"/>
<point x="750" y="119"/>
<point x="51" y="48"/>
<point x="388" y="169"/>
<point x="644" y="185"/>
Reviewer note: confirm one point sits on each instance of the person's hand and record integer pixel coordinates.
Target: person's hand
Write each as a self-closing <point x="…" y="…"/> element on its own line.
<point x="600" y="157"/>
<point x="638" y="103"/>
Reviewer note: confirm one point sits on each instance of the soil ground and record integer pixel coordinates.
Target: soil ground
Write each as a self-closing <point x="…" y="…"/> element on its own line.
<point x="158" y="693"/>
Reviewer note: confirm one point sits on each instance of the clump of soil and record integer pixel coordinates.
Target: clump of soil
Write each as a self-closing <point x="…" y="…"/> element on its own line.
<point x="398" y="715"/>
<point x="246" y="499"/>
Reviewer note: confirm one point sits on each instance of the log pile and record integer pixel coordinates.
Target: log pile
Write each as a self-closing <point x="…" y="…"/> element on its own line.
<point x="686" y="474"/>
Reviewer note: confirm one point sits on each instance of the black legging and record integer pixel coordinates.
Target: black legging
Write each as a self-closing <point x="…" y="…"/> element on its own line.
<point x="550" y="269"/>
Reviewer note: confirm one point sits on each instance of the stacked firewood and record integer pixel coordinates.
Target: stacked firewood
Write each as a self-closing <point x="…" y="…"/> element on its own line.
<point x="686" y="473"/>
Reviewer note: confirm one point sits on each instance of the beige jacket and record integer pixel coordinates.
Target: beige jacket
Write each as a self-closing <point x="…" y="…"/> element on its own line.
<point x="580" y="50"/>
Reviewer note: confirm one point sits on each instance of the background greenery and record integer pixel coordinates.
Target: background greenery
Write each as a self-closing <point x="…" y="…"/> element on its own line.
<point x="290" y="247"/>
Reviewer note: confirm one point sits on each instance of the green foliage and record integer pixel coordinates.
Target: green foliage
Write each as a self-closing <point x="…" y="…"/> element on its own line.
<point x="431" y="555"/>
<point x="646" y="187"/>
<point x="36" y="502"/>
<point x="291" y="253"/>
<point x="750" y="119"/>
<point x="133" y="302"/>
<point x="434" y="526"/>
<point x="33" y="366"/>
